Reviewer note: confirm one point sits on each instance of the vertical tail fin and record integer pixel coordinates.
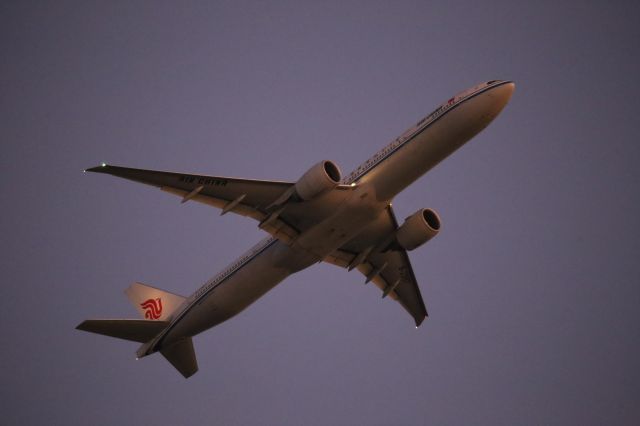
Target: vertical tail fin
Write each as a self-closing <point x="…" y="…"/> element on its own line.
<point x="153" y="303"/>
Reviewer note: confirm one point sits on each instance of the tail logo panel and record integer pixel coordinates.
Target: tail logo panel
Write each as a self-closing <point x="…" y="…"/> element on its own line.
<point x="152" y="308"/>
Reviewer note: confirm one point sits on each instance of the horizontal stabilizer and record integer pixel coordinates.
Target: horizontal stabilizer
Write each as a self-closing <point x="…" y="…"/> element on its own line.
<point x="128" y="329"/>
<point x="182" y="357"/>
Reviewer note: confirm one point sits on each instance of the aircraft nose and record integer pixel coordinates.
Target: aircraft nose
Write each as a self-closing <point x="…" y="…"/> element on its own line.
<point x="497" y="98"/>
<point x="503" y="93"/>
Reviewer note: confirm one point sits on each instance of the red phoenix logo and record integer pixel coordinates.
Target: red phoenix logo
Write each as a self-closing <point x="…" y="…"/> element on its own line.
<point x="152" y="308"/>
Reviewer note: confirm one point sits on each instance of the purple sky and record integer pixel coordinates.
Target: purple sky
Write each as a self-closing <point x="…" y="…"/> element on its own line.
<point x="533" y="285"/>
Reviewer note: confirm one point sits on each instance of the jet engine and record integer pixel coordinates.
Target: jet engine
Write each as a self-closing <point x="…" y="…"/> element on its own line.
<point x="320" y="178"/>
<point x="418" y="228"/>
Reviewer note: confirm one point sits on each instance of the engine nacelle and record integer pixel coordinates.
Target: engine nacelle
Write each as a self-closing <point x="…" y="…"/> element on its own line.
<point x="320" y="178"/>
<point x="418" y="228"/>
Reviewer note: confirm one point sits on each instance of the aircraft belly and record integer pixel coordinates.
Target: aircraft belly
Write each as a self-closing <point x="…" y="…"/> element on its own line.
<point x="240" y="290"/>
<point x="354" y="214"/>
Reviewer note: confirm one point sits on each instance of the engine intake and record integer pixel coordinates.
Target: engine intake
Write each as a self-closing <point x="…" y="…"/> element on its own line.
<point x="418" y="228"/>
<point x="320" y="178"/>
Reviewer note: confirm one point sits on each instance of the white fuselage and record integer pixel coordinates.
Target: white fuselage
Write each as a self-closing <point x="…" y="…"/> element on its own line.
<point x="373" y="186"/>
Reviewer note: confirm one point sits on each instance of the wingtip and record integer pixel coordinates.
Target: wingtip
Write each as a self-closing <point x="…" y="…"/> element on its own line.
<point x="82" y="326"/>
<point x="97" y="169"/>
<point x="188" y="374"/>
<point x="420" y="320"/>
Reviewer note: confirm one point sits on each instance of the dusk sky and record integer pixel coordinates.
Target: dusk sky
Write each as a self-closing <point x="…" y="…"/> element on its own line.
<point x="532" y="286"/>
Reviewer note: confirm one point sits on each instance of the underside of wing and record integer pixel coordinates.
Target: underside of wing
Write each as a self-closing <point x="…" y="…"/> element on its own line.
<point x="243" y="196"/>
<point x="246" y="197"/>
<point x="384" y="264"/>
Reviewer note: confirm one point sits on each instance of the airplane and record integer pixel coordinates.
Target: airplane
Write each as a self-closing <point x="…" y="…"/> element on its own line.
<point x="322" y="217"/>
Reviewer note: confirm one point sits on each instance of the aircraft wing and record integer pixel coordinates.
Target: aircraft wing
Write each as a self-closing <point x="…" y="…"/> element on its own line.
<point x="246" y="197"/>
<point x="389" y="269"/>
